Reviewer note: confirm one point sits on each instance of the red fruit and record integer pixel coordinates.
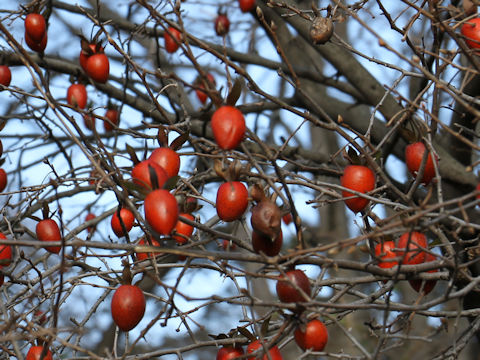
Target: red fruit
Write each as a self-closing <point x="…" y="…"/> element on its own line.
<point x="410" y="248"/>
<point x="262" y="243"/>
<point x="222" y="25"/>
<point x="427" y="285"/>
<point x="385" y="252"/>
<point x="89" y="121"/>
<point x="39" y="317"/>
<point x="168" y="159"/>
<point x="77" y="95"/>
<point x="141" y="174"/>
<point x="112" y="119"/>
<point x="48" y="230"/>
<point x="161" y="211"/>
<point x="287" y="289"/>
<point x="228" y="245"/>
<point x="229" y="352"/>
<point x="274" y="352"/>
<point x="183" y="230"/>
<point x="5" y="253"/>
<point x="314" y="336"/>
<point x="232" y="200"/>
<point x="3" y="180"/>
<point x="5" y="75"/>
<point x="413" y="158"/>
<point x="172" y="37"/>
<point x="35" y="353"/>
<point x="127" y="218"/>
<point x="35" y="27"/>
<point x="287" y="218"/>
<point x="128" y="306"/>
<point x="247" y="5"/>
<point x="36" y="46"/>
<point x="228" y="126"/>
<point x="143" y="256"/>
<point x="98" y="67"/>
<point x="202" y="95"/>
<point x="84" y="55"/>
<point x="358" y="178"/>
<point x="89" y="217"/>
<point x="471" y="31"/>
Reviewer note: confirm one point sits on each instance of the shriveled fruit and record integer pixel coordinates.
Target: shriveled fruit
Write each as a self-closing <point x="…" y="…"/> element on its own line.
<point x="288" y="288"/>
<point x="228" y="126"/>
<point x="126" y="217"/>
<point x="161" y="211"/>
<point x="128" y="306"/>
<point x="232" y="200"/>
<point x="313" y="335"/>
<point x="266" y="218"/>
<point x="222" y="25"/>
<point x="410" y="248"/>
<point x="265" y="244"/>
<point x="358" y="178"/>
<point x="167" y="158"/>
<point x="48" y="230"/>
<point x="183" y="231"/>
<point x="112" y="119"/>
<point x="413" y="157"/>
<point x="89" y="121"/>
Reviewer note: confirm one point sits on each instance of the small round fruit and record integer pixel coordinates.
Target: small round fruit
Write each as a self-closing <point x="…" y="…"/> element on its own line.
<point x="229" y="352"/>
<point x="358" y="178"/>
<point x="228" y="245"/>
<point x="143" y="256"/>
<point x="5" y="75"/>
<point x="222" y="25"/>
<point x="5" y="253"/>
<point x="314" y="336"/>
<point x="410" y="247"/>
<point x="201" y="94"/>
<point x="427" y="285"/>
<point x="183" y="231"/>
<point x="77" y="95"/>
<point x="387" y="255"/>
<point x="89" y="217"/>
<point x="161" y="211"/>
<point x="35" y="27"/>
<point x="112" y="119"/>
<point x="36" y="46"/>
<point x="413" y="158"/>
<point x="35" y="353"/>
<point x="287" y="218"/>
<point x="471" y="31"/>
<point x="246" y="5"/>
<point x="287" y="289"/>
<point x="3" y="180"/>
<point x="232" y="200"/>
<point x="127" y="218"/>
<point x="172" y="37"/>
<point x="84" y="55"/>
<point x="228" y="126"/>
<point x="262" y="243"/>
<point x="168" y="159"/>
<point x="98" y="67"/>
<point x="128" y="306"/>
<point x="89" y="121"/>
<point x="48" y="230"/>
<point x="142" y="176"/>
<point x="256" y="345"/>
